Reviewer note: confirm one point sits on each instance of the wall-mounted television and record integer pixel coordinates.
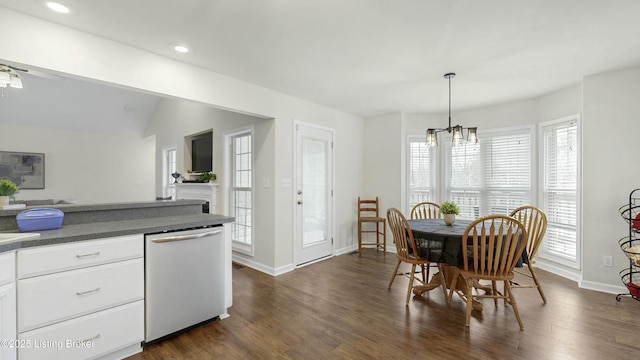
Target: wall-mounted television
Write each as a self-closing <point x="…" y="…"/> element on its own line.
<point x="202" y="153"/>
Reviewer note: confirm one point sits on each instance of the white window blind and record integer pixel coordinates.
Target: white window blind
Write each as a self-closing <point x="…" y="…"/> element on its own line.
<point x="493" y="176"/>
<point x="560" y="188"/>
<point x="421" y="169"/>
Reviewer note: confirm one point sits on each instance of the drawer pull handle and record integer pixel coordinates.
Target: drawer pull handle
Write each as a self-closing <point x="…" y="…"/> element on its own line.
<point x="88" y="291"/>
<point x="91" y="339"/>
<point x="87" y="255"/>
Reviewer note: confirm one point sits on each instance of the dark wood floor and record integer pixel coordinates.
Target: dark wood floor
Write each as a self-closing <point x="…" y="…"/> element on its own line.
<point x="341" y="309"/>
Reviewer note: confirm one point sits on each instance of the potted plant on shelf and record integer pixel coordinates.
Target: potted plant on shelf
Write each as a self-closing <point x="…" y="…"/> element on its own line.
<point x="449" y="210"/>
<point x="7" y="190"/>
<point x="207" y="177"/>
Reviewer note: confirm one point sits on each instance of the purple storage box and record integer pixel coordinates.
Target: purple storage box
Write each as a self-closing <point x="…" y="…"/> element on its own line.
<point x="39" y="219"/>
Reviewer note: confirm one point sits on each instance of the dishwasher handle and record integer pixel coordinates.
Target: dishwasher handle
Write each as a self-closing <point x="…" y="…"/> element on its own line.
<point x="186" y="237"/>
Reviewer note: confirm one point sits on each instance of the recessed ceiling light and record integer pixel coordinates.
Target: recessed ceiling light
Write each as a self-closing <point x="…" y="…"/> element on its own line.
<point x="181" y="49"/>
<point x="57" y="7"/>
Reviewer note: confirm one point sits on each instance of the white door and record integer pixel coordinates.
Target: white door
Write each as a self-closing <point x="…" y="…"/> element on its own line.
<point x="313" y="193"/>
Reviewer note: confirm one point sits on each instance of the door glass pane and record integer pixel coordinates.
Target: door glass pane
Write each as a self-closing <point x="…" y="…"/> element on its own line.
<point x="314" y="203"/>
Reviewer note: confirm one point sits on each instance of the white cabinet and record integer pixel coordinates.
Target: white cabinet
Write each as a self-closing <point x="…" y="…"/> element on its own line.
<point x="110" y="334"/>
<point x="81" y="300"/>
<point x="198" y="191"/>
<point x="78" y="292"/>
<point x="7" y="306"/>
<point x="76" y="255"/>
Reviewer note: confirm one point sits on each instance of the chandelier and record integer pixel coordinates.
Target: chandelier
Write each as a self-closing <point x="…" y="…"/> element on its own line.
<point x="455" y="131"/>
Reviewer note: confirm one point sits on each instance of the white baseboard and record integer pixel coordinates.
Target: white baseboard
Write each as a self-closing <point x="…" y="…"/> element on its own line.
<point x="576" y="276"/>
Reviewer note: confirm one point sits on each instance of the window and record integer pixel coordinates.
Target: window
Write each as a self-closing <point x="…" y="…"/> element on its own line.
<point x="168" y="168"/>
<point x="241" y="202"/>
<point x="421" y="169"/>
<point x="560" y="189"/>
<point x="493" y="176"/>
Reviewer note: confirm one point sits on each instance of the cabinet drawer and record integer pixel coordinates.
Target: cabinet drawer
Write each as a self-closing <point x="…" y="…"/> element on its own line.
<point x="54" y="258"/>
<point x="46" y="299"/>
<point x="7" y="268"/>
<point x="88" y="336"/>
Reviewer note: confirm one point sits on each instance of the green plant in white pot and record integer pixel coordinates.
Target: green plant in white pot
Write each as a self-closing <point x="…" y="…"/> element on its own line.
<point x="7" y="190"/>
<point x="449" y="210"/>
<point x="207" y="177"/>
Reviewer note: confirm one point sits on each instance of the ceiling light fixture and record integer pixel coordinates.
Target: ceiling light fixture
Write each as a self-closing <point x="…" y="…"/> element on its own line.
<point x="5" y="78"/>
<point x="181" y="49"/>
<point x="16" y="81"/>
<point x="9" y="77"/>
<point x="57" y="7"/>
<point x="457" y="136"/>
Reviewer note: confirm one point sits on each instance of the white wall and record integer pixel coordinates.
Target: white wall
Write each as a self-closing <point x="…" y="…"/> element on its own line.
<point x="176" y="119"/>
<point x="39" y="44"/>
<point x="610" y="156"/>
<point x="88" y="167"/>
<point x="384" y="160"/>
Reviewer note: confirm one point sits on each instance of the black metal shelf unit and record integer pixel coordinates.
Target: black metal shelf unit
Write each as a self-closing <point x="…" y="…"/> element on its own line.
<point x="630" y="245"/>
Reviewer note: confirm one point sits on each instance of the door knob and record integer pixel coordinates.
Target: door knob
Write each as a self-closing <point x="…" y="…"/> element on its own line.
<point x="299" y="192"/>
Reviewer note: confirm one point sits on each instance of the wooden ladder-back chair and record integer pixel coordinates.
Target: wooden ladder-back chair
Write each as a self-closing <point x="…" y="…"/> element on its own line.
<point x="406" y="250"/>
<point x="368" y="213"/>
<point x="535" y="222"/>
<point x="491" y="247"/>
<point x="426" y="210"/>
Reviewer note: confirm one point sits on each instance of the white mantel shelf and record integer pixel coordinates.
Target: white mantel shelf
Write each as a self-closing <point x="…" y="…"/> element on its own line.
<point x="198" y="191"/>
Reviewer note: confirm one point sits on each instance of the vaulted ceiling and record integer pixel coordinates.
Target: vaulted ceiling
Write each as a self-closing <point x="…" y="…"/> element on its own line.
<point x="369" y="57"/>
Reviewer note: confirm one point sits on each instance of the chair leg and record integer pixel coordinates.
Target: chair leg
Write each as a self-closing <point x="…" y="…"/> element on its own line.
<point x="494" y="288"/>
<point x="469" y="301"/>
<point x="377" y="232"/>
<point x="384" y="238"/>
<point x="413" y="270"/>
<point x="395" y="273"/>
<point x="359" y="238"/>
<point x="512" y="300"/>
<point x="535" y="280"/>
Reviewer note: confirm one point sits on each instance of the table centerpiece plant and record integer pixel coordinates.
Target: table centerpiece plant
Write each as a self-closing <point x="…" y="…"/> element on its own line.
<point x="8" y="189"/>
<point x="449" y="210"/>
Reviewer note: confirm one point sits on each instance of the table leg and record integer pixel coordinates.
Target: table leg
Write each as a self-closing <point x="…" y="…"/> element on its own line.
<point x="449" y="272"/>
<point x="487" y="288"/>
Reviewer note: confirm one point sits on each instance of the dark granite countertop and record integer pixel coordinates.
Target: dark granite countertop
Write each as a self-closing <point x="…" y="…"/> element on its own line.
<point x="96" y="230"/>
<point x="69" y="208"/>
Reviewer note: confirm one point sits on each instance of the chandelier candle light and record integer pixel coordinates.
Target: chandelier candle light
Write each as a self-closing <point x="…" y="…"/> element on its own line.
<point x="456" y="137"/>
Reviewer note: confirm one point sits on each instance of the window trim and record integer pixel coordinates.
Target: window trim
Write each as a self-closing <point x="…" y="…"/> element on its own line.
<point x="167" y="189"/>
<point x="542" y="254"/>
<point x="243" y="248"/>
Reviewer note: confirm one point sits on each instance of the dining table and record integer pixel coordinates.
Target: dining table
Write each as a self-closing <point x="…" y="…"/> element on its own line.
<point x="442" y="244"/>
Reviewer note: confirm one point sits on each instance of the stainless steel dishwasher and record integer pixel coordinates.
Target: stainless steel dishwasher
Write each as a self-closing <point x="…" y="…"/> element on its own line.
<point x="184" y="280"/>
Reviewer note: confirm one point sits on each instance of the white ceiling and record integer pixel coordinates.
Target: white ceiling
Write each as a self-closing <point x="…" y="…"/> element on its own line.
<point x="369" y="57"/>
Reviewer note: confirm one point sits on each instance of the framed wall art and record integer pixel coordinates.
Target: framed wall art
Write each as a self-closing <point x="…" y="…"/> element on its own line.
<point x="24" y="169"/>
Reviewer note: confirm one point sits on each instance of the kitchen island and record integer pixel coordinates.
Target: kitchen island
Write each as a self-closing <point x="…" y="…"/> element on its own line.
<point x="92" y="273"/>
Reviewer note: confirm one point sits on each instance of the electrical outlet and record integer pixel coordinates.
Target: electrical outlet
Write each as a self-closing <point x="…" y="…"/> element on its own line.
<point x="607" y="261"/>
